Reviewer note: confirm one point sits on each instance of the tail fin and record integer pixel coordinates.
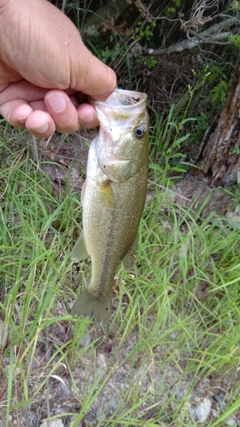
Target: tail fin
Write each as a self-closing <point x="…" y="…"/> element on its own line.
<point x="90" y="305"/>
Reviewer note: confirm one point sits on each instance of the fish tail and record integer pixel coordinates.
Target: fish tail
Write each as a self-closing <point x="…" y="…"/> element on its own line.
<point x="89" y="305"/>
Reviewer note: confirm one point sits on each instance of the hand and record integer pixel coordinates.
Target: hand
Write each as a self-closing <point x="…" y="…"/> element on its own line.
<point x="46" y="72"/>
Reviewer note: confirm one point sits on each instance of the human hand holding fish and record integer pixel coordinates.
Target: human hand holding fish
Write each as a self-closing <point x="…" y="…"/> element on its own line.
<point x="113" y="197"/>
<point x="46" y="71"/>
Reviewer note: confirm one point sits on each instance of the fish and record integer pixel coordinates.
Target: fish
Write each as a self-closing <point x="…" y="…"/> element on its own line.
<point x="113" y="197"/>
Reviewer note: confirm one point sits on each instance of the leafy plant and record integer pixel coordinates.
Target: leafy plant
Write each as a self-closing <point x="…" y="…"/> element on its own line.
<point x="235" y="39"/>
<point x="150" y="62"/>
<point x="172" y="9"/>
<point x="166" y="156"/>
<point x="219" y="92"/>
<point x="144" y="30"/>
<point x="235" y="5"/>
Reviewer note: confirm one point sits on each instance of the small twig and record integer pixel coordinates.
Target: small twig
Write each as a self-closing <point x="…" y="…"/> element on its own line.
<point x="212" y="35"/>
<point x="63" y="5"/>
<point x="49" y="139"/>
<point x="6" y="228"/>
<point x="125" y="53"/>
<point x="167" y="189"/>
<point x="47" y="382"/>
<point x="35" y="151"/>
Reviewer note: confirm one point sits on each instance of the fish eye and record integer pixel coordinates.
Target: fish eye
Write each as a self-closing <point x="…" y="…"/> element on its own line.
<point x="140" y="132"/>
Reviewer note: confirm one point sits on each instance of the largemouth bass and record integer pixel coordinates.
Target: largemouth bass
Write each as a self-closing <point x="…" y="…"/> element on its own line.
<point x="113" y="197"/>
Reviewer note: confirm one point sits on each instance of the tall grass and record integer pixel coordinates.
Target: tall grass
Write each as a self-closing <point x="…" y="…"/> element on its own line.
<point x="175" y="321"/>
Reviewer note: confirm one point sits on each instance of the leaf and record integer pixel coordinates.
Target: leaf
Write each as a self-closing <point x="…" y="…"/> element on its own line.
<point x="155" y="166"/>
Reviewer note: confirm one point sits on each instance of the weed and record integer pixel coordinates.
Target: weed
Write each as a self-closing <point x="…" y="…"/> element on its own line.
<point x="144" y="31"/>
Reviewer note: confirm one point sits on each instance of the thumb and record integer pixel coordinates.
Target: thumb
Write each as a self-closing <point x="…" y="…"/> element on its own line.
<point x="96" y="79"/>
<point x="91" y="76"/>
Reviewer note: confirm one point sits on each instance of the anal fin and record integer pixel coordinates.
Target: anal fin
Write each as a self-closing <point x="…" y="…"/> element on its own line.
<point x="130" y="257"/>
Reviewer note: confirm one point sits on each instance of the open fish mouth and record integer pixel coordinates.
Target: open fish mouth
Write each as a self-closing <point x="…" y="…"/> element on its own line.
<point x="122" y="107"/>
<point x="120" y="97"/>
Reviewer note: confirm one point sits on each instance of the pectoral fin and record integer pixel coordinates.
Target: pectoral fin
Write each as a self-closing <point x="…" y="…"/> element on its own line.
<point x="106" y="195"/>
<point x="129" y="259"/>
<point x="79" y="251"/>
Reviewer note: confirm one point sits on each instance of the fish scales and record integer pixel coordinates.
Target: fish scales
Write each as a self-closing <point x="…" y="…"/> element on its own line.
<point x="113" y="197"/>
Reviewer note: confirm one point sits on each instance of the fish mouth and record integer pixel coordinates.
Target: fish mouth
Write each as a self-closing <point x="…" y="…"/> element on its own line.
<point x="122" y="107"/>
<point x="128" y="99"/>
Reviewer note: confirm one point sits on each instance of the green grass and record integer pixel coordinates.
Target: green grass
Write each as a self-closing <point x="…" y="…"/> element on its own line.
<point x="176" y="317"/>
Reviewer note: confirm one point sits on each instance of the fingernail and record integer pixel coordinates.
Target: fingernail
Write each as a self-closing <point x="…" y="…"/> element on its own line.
<point x="56" y="102"/>
<point x="23" y="113"/>
<point x="87" y="119"/>
<point x="41" y="128"/>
